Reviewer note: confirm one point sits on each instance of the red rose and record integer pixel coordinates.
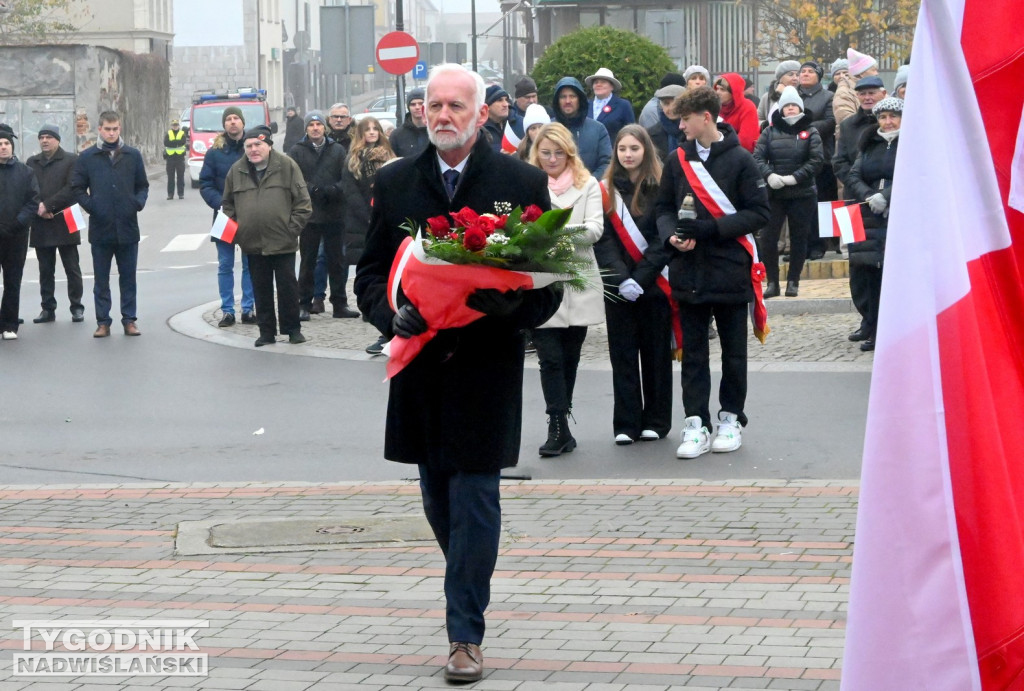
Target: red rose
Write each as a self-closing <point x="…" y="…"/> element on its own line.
<point x="502" y="220"/>
<point x="439" y="227"/>
<point x="465" y="217"/>
<point x="530" y="213"/>
<point x="474" y="239"/>
<point x="484" y="223"/>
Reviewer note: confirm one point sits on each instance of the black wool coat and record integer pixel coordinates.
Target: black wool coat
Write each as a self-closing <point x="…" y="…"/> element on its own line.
<point x="458" y="405"/>
<point x="872" y="173"/>
<point x="322" y="171"/>
<point x="795" y="150"/>
<point x="716" y="270"/>
<point x="54" y="177"/>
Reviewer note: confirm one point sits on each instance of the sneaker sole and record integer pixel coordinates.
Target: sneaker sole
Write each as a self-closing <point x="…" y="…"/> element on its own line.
<point x="689" y="456"/>
<point x="728" y="450"/>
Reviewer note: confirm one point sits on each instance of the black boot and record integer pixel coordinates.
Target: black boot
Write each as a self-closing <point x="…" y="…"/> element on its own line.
<point x="792" y="289"/>
<point x="559" y="440"/>
<point x="772" y="290"/>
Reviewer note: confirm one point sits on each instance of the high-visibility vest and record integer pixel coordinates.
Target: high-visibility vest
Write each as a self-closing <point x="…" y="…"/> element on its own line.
<point x="178" y="136"/>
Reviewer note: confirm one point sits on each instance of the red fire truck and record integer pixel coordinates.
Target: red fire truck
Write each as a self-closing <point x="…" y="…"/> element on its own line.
<point x="206" y="122"/>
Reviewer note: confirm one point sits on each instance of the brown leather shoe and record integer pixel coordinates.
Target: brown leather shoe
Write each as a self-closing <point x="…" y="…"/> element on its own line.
<point x="465" y="663"/>
<point x="317" y="307"/>
<point x="102" y="331"/>
<point x="131" y="330"/>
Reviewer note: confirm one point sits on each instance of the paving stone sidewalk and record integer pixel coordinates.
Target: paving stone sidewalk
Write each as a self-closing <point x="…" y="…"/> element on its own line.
<point x="601" y="585"/>
<point x="806" y="329"/>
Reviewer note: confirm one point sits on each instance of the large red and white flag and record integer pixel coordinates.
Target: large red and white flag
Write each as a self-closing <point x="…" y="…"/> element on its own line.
<point x="75" y="219"/>
<point x="937" y="593"/>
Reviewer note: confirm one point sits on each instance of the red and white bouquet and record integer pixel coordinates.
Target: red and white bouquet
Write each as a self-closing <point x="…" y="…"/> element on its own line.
<point x="440" y="266"/>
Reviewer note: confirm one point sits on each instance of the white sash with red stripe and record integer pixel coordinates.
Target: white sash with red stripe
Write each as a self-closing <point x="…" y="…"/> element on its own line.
<point x="718" y="205"/>
<point x="636" y="244"/>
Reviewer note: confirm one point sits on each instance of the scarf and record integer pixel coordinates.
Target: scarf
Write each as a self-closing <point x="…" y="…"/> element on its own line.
<point x="110" y="148"/>
<point x="793" y="119"/>
<point x="370" y="160"/>
<point x="671" y="128"/>
<point x="562" y="183"/>
<point x="889" y="136"/>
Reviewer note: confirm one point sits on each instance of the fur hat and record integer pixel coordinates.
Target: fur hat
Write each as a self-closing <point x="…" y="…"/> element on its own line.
<point x="859" y="62"/>
<point x="232" y="110"/>
<point x="790" y="96"/>
<point x="535" y="115"/>
<point x="786" y="66"/>
<point x="840" y="64"/>
<point x="695" y="69"/>
<point x="889" y="104"/>
<point x="50" y="129"/>
<point x="525" y="87"/>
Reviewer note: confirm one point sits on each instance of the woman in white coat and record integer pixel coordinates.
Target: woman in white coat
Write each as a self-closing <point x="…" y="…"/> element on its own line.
<point x="560" y="339"/>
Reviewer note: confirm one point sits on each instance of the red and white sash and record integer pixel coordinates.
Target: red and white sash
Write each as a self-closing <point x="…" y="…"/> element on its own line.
<point x="718" y="205"/>
<point x="636" y="244"/>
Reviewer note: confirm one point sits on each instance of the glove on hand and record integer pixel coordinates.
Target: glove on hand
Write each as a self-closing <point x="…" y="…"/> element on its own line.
<point x="775" y="182"/>
<point x="696" y="229"/>
<point x="494" y="302"/>
<point x="408" y="322"/>
<point x="788" y="180"/>
<point x="877" y="202"/>
<point x="630" y="290"/>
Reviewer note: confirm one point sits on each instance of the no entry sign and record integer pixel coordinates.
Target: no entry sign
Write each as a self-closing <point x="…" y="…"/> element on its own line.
<point x="397" y="52"/>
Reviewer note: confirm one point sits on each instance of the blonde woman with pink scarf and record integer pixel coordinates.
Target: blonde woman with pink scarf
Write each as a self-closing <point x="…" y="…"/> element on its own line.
<point x="560" y="339"/>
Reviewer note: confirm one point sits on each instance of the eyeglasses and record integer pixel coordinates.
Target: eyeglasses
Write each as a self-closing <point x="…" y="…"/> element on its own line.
<point x="341" y="117"/>
<point x="541" y="153"/>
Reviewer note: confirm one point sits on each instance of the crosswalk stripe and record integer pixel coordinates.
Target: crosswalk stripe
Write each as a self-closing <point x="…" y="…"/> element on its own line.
<point x="186" y="242"/>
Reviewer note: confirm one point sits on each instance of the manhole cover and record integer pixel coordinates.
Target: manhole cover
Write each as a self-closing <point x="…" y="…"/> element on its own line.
<point x="340" y="529"/>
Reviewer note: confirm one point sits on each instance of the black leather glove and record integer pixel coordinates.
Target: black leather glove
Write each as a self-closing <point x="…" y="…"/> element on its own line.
<point x="697" y="229"/>
<point x="495" y="303"/>
<point x="408" y="322"/>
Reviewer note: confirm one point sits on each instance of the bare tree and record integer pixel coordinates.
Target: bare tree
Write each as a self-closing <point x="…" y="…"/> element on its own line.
<point x="28" y="22"/>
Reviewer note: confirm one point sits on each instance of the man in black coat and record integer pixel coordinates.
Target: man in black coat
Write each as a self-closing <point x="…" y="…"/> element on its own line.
<point x="19" y="199"/>
<point x="53" y="166"/>
<point x="322" y="162"/>
<point x="456" y="409"/>
<point x="109" y="181"/>
<point x="711" y="272"/>
<point x="292" y="127"/>
<point x="411" y="138"/>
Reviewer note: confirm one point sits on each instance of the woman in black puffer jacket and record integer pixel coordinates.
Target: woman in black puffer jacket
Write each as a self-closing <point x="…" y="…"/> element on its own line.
<point x="870" y="182"/>
<point x="789" y="155"/>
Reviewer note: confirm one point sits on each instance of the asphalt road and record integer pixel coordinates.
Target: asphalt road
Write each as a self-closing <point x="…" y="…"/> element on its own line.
<point x="166" y="407"/>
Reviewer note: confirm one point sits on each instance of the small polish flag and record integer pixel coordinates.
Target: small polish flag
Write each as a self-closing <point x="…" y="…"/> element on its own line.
<point x="224" y="228"/>
<point x="75" y="218"/>
<point x="509" y="142"/>
<point x="837" y="220"/>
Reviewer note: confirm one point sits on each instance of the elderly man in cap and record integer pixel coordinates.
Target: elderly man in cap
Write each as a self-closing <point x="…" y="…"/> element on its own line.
<point x="608" y="108"/>
<point x="498" y="104"/>
<point x="411" y="138"/>
<point x="226" y="150"/>
<point x="322" y="162"/>
<point x="52" y="167"/>
<point x="109" y="181"/>
<point x="266" y="195"/>
<point x="19" y="200"/>
<point x="650" y="114"/>
<point x="665" y="132"/>
<point x="174" y="154"/>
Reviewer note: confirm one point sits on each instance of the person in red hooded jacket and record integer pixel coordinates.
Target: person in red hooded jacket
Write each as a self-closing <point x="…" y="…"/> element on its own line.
<point x="737" y="110"/>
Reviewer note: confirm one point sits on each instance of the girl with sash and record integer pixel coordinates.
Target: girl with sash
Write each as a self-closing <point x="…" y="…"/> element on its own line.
<point x="638" y="305"/>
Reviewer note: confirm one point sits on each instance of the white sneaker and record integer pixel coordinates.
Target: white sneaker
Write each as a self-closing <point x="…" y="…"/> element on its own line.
<point x="649" y="435"/>
<point x="696" y="439"/>
<point x="623" y="439"/>
<point x="10" y="336"/>
<point x="730" y="433"/>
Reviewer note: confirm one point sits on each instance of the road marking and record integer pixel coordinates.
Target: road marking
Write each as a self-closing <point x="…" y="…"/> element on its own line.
<point x="187" y="242"/>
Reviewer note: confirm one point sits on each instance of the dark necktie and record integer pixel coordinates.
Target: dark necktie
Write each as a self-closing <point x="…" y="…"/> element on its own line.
<point x="451" y="181"/>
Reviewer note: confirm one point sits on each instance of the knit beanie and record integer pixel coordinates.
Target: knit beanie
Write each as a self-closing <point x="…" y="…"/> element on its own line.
<point x="50" y="129"/>
<point x="901" y="77"/>
<point x="417" y="94"/>
<point x="314" y="116"/>
<point x="790" y="96"/>
<point x="494" y="92"/>
<point x="695" y="69"/>
<point x="261" y="132"/>
<point x="859" y="62"/>
<point x="535" y="115"/>
<point x="7" y="133"/>
<point x="525" y="87"/>
<point x="231" y="110"/>
<point x="840" y="64"/>
<point x="786" y="66"/>
<point x="814" y="66"/>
